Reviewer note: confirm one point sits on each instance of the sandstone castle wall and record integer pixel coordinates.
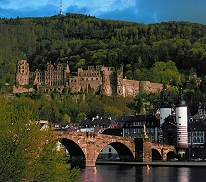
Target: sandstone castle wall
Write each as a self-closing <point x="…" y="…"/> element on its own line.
<point x="107" y="80"/>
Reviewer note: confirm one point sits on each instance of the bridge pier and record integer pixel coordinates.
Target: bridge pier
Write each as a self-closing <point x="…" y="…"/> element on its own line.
<point x="90" y="163"/>
<point x="147" y="150"/>
<point x="164" y="154"/>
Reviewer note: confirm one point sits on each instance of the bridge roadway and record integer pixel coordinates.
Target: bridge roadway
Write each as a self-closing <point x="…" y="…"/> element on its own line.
<point x="88" y="145"/>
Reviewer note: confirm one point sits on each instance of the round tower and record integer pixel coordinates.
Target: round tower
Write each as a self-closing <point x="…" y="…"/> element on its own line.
<point x="182" y="120"/>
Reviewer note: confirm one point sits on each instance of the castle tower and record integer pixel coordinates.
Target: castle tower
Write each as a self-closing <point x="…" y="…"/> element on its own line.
<point x="22" y="75"/>
<point x="108" y="80"/>
<point x="120" y="82"/>
<point x="182" y="122"/>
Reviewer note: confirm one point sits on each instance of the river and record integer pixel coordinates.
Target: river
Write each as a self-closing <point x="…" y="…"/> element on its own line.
<point x="136" y="173"/>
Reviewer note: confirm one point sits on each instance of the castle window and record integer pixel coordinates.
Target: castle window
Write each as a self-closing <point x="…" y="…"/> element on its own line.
<point x="96" y="78"/>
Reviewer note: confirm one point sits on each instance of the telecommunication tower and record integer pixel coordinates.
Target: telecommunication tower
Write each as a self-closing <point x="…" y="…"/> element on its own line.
<point x="60" y="7"/>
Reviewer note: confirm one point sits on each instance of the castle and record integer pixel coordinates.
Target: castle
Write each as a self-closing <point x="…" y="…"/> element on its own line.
<point x="107" y="80"/>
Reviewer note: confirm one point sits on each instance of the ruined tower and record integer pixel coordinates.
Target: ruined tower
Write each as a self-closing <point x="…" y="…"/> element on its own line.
<point x="22" y="76"/>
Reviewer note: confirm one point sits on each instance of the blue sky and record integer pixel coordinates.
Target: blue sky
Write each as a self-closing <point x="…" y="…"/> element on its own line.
<point x="140" y="11"/>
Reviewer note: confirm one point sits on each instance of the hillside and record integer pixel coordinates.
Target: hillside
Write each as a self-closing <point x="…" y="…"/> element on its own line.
<point x="84" y="40"/>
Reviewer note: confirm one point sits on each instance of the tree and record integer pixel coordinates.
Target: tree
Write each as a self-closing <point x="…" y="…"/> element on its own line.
<point x="137" y="105"/>
<point x="66" y="118"/>
<point x="111" y="111"/>
<point x="26" y="152"/>
<point x="81" y="116"/>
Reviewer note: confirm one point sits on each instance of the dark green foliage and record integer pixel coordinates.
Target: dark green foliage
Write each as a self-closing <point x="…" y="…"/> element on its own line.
<point x="84" y="40"/>
<point x="26" y="152"/>
<point x="110" y="43"/>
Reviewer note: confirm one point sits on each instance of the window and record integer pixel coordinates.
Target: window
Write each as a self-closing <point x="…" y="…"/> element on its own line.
<point x="135" y="123"/>
<point x="127" y="131"/>
<point x="202" y="139"/>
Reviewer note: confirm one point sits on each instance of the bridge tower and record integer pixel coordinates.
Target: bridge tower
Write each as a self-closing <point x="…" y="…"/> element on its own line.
<point x="182" y="120"/>
<point x="165" y="110"/>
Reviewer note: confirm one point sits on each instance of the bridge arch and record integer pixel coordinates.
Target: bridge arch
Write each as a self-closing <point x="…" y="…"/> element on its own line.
<point x="77" y="155"/>
<point x="89" y="145"/>
<point x="123" y="151"/>
<point x="165" y="151"/>
<point x="156" y="155"/>
<point x="171" y="155"/>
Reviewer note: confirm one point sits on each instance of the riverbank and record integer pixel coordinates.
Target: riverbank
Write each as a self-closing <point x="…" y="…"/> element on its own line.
<point x="178" y="164"/>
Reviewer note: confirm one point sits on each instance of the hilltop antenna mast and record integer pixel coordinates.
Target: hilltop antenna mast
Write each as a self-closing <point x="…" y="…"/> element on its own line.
<point x="60" y="7"/>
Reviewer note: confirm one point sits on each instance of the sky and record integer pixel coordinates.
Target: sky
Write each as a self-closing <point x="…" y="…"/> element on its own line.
<point x="140" y="11"/>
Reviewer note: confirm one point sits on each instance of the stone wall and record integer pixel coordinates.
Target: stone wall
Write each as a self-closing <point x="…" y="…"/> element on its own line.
<point x="108" y="80"/>
<point x="21" y="89"/>
<point x="22" y="75"/>
<point x="130" y="88"/>
<point x="148" y="87"/>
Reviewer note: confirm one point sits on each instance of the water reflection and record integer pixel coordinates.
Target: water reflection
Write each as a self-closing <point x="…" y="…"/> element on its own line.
<point x="122" y="173"/>
<point x="183" y="174"/>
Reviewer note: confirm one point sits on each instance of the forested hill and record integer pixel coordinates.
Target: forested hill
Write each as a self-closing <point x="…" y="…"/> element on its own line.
<point x="84" y="40"/>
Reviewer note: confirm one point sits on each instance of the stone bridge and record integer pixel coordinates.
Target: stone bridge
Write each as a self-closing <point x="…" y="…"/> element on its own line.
<point x="88" y="145"/>
<point x="165" y="151"/>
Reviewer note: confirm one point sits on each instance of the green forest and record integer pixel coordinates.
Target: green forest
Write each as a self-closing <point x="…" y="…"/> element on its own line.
<point x="172" y="53"/>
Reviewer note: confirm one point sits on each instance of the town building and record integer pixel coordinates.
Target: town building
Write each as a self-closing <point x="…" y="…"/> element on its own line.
<point x="134" y="126"/>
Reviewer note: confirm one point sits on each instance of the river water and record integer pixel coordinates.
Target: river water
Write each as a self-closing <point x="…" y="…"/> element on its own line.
<point x="127" y="173"/>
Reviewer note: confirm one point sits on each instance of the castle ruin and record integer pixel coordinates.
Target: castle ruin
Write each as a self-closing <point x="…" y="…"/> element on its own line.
<point x="108" y="80"/>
